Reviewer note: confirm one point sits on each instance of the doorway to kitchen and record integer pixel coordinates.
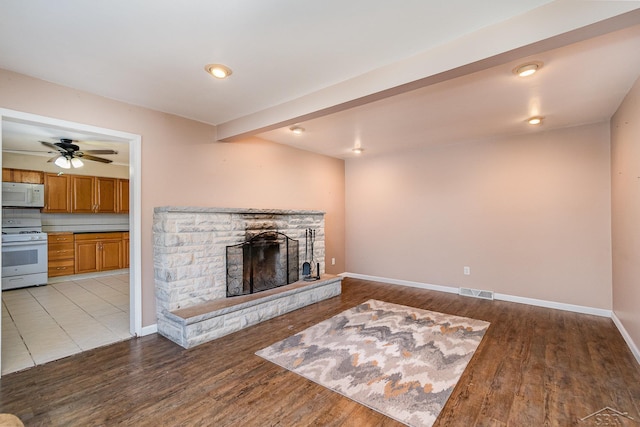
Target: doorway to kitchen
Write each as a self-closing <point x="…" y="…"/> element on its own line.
<point x="62" y="128"/>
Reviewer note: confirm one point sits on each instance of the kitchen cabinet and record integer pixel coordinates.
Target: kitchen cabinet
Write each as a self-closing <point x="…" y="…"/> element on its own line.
<point x="82" y="194"/>
<point x="123" y="195"/>
<point x="57" y="193"/>
<point x="93" y="194"/>
<point x="125" y="250"/>
<point x="21" y="175"/>
<point x="98" y="252"/>
<point x="106" y="196"/>
<point x="76" y="193"/>
<point x="61" y="254"/>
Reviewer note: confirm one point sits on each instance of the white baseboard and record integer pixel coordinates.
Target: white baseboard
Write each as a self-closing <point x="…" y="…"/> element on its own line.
<point x="148" y="330"/>
<point x="60" y="279"/>
<point x="632" y="345"/>
<point x="504" y="297"/>
<point x="430" y="287"/>
<point x="555" y="305"/>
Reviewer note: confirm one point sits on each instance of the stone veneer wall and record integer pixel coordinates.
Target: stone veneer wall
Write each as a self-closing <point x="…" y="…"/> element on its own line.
<point x="190" y="250"/>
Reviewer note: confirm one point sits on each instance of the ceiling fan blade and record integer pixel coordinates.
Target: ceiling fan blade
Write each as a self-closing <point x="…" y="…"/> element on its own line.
<point x="94" y="158"/>
<point x="54" y="146"/>
<point x="100" y="151"/>
<point x="53" y="159"/>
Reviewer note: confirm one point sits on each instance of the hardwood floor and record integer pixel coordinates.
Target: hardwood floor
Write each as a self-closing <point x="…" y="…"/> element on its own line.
<point x="534" y="367"/>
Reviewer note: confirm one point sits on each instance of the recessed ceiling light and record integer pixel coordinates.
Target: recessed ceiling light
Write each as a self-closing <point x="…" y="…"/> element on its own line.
<point x="537" y="120"/>
<point x="297" y="130"/>
<point x="218" y="71"/>
<point x="527" y="69"/>
<point x="357" y="150"/>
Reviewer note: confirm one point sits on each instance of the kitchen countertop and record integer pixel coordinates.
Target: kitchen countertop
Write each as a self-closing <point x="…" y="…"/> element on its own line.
<point x="84" y="229"/>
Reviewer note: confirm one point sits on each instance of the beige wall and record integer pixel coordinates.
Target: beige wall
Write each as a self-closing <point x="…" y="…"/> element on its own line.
<point x="183" y="166"/>
<point x="625" y="215"/>
<point x="530" y="215"/>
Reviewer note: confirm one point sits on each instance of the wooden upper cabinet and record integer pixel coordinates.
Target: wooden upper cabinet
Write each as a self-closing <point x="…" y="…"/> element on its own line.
<point x="20" y="175"/>
<point x="57" y="193"/>
<point x="82" y="194"/>
<point x="93" y="194"/>
<point x="123" y="195"/>
<point x="106" y="195"/>
<point x="76" y="193"/>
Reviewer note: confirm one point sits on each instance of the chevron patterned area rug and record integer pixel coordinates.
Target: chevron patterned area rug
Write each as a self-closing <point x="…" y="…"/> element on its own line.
<point x="401" y="361"/>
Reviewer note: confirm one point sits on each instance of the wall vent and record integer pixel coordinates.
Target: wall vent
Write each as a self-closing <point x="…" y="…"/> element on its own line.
<point x="477" y="293"/>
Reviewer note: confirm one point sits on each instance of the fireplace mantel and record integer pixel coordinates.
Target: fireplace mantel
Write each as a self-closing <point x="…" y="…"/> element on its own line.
<point x="196" y="209"/>
<point x="190" y="260"/>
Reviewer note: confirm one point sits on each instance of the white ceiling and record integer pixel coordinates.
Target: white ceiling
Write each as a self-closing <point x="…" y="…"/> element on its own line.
<point x="294" y="60"/>
<point x="581" y="83"/>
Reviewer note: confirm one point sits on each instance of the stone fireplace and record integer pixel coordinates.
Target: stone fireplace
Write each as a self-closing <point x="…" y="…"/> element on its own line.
<point x="193" y="276"/>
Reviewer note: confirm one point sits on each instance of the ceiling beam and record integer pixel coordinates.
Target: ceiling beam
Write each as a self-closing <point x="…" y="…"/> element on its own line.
<point x="554" y="25"/>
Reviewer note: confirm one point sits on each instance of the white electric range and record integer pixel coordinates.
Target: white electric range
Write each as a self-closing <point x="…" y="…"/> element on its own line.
<point x="24" y="249"/>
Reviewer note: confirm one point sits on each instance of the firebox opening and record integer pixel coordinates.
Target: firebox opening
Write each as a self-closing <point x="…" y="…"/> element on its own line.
<point x="266" y="261"/>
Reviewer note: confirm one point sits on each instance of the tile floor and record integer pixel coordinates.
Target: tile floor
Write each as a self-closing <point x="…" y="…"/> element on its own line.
<point x="45" y="323"/>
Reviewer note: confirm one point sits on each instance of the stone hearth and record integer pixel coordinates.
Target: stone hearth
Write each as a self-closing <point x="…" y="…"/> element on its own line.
<point x="190" y="270"/>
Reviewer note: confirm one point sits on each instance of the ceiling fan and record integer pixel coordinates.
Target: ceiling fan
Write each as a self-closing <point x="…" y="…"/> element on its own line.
<point x="69" y="154"/>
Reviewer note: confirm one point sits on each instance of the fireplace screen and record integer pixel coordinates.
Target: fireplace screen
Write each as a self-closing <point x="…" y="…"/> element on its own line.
<point x="265" y="261"/>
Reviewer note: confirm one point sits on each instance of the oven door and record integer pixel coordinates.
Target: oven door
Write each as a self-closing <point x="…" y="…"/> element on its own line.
<point x="22" y="258"/>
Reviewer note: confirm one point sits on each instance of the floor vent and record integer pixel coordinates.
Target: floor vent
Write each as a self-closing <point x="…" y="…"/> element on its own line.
<point x="467" y="292"/>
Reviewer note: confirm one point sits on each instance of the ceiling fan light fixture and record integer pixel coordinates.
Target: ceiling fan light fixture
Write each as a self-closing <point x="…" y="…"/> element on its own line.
<point x="527" y="69"/>
<point x="218" y="71"/>
<point x="76" y="162"/>
<point x="63" y="162"/>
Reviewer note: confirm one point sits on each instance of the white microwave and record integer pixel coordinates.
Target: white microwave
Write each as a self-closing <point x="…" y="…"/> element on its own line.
<point x="21" y="195"/>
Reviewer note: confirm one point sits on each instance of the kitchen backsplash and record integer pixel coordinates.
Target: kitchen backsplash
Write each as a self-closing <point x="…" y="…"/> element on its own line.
<point x="83" y="223"/>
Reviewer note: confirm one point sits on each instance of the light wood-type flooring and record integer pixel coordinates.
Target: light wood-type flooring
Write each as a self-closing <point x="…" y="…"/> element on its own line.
<point x="534" y="367"/>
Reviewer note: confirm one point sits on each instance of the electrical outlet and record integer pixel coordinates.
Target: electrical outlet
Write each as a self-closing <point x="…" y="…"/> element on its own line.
<point x="467" y="270"/>
<point x="333" y="261"/>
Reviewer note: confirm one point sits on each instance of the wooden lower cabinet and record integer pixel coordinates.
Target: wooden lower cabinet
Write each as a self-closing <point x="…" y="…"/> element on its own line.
<point x="126" y="254"/>
<point x="61" y="254"/>
<point x="98" y="252"/>
<point x="86" y="257"/>
<point x="111" y="254"/>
